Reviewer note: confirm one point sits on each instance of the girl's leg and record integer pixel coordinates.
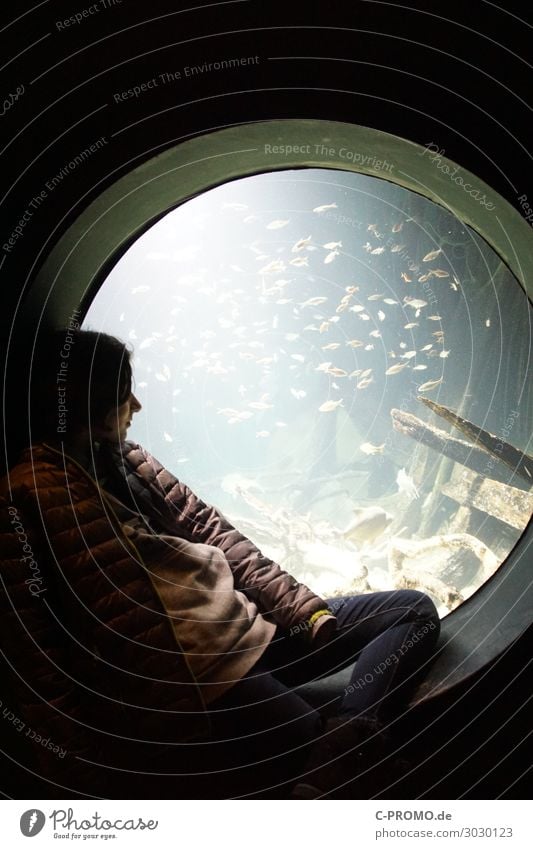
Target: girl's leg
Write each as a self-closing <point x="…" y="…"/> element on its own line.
<point x="399" y="631"/>
<point x="261" y="736"/>
<point x="390" y="635"/>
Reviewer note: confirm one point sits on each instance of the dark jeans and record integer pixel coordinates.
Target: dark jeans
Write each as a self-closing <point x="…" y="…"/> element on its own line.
<point x="262" y="729"/>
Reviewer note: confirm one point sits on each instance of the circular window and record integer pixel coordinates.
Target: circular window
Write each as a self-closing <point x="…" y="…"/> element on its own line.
<point x="340" y="365"/>
<point x="332" y="339"/>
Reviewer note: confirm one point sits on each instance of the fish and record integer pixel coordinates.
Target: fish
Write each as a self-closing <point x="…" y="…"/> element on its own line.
<point x="396" y="249"/>
<point x="342" y="308"/>
<point x="368" y="348"/>
<point x="324" y="207"/>
<point x="369" y="523"/>
<point x="378" y="251"/>
<point x="366" y="372"/>
<point x="357" y="308"/>
<point x="331" y="346"/>
<point x="367" y="247"/>
<point x="146" y="343"/>
<point x="278" y="224"/>
<point x="314" y="302"/>
<point x="444" y="354"/>
<point x="324" y="326"/>
<point x="365" y="382"/>
<point x="167" y="437"/>
<point x="395" y="369"/>
<point x="274" y="266"/>
<point x="298" y="393"/>
<point x="300" y="244"/>
<point x="397" y="227"/>
<point x="240" y="417"/>
<point x="331" y="246"/>
<point x="375" y="333"/>
<point x="323" y="366"/>
<point x="260" y="405"/>
<point x="329" y="406"/>
<point x="370" y="449"/>
<point x="487" y="322"/>
<point x="419" y="368"/>
<point x="374" y="297"/>
<point x="299" y="261"/>
<point x="406" y="485"/>
<point x="432" y="255"/>
<point x="298" y="357"/>
<point x="434" y="318"/>
<point x="390" y="301"/>
<point x="426" y="347"/>
<point x="415" y="303"/>
<point x="364" y="317"/>
<point x="352" y="289"/>
<point x="411" y="325"/>
<point x="262" y="433"/>
<point x="424" y="277"/>
<point x="336" y="372"/>
<point x="355" y="343"/>
<point x="330" y="257"/>
<point x="228" y="412"/>
<point x="408" y="355"/>
<point x="405" y="277"/>
<point x="381" y="315"/>
<point x="439" y="272"/>
<point x="431" y="384"/>
<point x="372" y="228"/>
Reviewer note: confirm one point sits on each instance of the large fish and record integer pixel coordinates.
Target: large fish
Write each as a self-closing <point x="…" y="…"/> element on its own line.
<point x="368" y="525"/>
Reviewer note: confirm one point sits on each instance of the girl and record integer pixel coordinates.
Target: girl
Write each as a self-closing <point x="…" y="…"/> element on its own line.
<point x="162" y="641"/>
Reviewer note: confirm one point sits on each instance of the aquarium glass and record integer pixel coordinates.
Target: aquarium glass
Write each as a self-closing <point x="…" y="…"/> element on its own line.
<point x="289" y="330"/>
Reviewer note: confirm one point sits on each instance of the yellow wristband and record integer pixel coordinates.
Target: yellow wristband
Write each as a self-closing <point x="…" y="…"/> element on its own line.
<point x="317" y="615"/>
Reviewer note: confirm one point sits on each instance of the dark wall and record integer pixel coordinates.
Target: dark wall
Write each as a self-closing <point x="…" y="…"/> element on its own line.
<point x="451" y="75"/>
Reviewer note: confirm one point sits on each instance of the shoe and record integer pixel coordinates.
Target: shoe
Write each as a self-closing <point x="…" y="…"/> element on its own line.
<point x="349" y="747"/>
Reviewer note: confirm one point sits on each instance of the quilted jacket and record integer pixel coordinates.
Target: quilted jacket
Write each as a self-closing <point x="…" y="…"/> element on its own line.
<point x="98" y="673"/>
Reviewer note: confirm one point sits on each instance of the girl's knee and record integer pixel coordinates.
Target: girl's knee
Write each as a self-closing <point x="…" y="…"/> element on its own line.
<point x="423" y="608"/>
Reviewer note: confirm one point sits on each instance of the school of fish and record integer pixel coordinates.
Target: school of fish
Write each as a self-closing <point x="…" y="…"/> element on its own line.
<point x="329" y="331"/>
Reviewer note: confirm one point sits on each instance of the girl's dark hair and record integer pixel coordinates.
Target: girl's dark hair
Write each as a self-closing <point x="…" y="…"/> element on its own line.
<point x="78" y="377"/>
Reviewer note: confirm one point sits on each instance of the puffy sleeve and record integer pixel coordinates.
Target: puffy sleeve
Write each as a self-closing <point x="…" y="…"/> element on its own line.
<point x="275" y="591"/>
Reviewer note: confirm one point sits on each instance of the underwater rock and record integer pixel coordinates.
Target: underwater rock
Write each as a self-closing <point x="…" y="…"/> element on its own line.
<point x="448" y="566"/>
<point x="368" y="525"/>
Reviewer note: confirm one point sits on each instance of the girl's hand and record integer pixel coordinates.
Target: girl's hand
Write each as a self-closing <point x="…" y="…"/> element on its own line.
<point x="323" y="630"/>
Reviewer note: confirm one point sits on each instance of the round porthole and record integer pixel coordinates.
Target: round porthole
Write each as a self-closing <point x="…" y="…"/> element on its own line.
<point x="332" y="343"/>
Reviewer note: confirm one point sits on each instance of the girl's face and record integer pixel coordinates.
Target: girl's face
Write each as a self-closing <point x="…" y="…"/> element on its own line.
<point x="116" y="423"/>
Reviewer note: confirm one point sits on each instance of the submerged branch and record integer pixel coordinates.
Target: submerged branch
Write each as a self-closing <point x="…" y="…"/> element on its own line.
<point x="515" y="459"/>
<point x="477" y="459"/>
